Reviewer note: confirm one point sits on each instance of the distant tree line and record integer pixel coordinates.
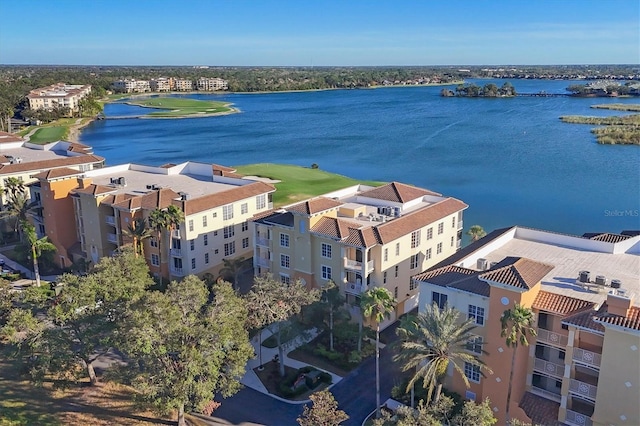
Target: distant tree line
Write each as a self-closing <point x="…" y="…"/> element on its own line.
<point x="487" y="91"/>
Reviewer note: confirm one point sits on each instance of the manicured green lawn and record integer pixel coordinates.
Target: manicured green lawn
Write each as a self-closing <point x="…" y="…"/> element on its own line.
<point x="49" y="134"/>
<point x="299" y="183"/>
<point x="181" y="106"/>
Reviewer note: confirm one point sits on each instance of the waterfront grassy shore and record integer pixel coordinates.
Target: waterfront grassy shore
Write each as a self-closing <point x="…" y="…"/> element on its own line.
<point x="617" y="130"/>
<point x="172" y="107"/>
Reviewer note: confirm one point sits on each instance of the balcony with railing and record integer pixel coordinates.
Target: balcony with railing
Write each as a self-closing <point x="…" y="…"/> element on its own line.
<point x="355" y="288"/>
<point x="552" y="338"/>
<point x="177" y="271"/>
<point x="577" y="419"/>
<point x="582" y="389"/>
<point x="460" y="225"/>
<point x="356" y="265"/>
<point x="262" y="241"/>
<point x="549" y="368"/>
<point x="111" y="220"/>
<point x="263" y="262"/>
<point x="176" y="252"/>
<point x="175" y="233"/>
<point x="112" y="238"/>
<point x="545" y="393"/>
<point x="588" y="358"/>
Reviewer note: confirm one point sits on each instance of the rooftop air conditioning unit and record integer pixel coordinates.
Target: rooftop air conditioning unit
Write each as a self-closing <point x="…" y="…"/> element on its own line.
<point x="584" y="276"/>
<point x="482" y="264"/>
<point x="615" y="284"/>
<point x="492" y="264"/>
<point x="601" y="280"/>
<point x="122" y="181"/>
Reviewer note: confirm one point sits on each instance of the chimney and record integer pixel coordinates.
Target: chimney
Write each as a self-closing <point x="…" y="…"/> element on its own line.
<point x="618" y="304"/>
<point x="84" y="182"/>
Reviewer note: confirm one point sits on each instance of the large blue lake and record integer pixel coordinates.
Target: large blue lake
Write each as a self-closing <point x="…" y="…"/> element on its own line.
<point x="512" y="160"/>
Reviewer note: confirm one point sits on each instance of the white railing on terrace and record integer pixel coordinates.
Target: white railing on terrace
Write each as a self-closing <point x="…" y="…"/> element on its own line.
<point x="354" y="288"/>
<point x="583" y="389"/>
<point x="265" y="263"/>
<point x="577" y="419"/>
<point x="111" y="220"/>
<point x="176" y="252"/>
<point x="583" y="356"/>
<point x="177" y="271"/>
<point x="112" y="238"/>
<point x="549" y="368"/>
<point x="261" y="241"/>
<point x="175" y="233"/>
<point x="460" y="224"/>
<point x="545" y="394"/>
<point x="552" y="338"/>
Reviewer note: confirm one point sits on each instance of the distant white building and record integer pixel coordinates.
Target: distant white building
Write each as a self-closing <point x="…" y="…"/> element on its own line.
<point x="58" y="95"/>
<point x="212" y="84"/>
<point x="132" y="86"/>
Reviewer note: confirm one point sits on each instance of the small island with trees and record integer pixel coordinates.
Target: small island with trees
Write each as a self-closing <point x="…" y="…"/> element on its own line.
<point x="171" y="107"/>
<point x="489" y="90"/>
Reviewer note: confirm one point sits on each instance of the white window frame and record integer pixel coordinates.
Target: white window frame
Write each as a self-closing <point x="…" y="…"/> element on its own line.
<point x="325" y="250"/>
<point x="204" y="221"/>
<point x="229" y="248"/>
<point x="244" y="208"/>
<point x="261" y="201"/>
<point x="229" y="231"/>
<point x="285" y="279"/>
<point x="414" y="260"/>
<point x="472" y="371"/>
<point x="245" y="242"/>
<point x="205" y="239"/>
<point x="285" y="261"/>
<point x="155" y="259"/>
<point x="415" y="239"/>
<point x="477" y="313"/>
<point x="285" y="240"/>
<point x="430" y="233"/>
<point x="439" y="248"/>
<point x="440" y="228"/>
<point x="227" y="212"/>
<point x="327" y="273"/>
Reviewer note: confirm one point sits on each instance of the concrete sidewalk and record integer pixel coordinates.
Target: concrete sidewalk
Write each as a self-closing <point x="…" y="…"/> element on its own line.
<point x="250" y="379"/>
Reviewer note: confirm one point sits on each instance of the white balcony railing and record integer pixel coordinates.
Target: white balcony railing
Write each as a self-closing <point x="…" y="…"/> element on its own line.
<point x="175" y="234"/>
<point x="549" y="368"/>
<point x="177" y="271"/>
<point x="545" y="394"/>
<point x="357" y="266"/>
<point x="588" y="358"/>
<point x="552" y="338"/>
<point x="111" y="220"/>
<point x="583" y="389"/>
<point x="176" y="252"/>
<point x="460" y="224"/>
<point x="355" y="288"/>
<point x="263" y="262"/>
<point x="577" y="419"/>
<point x="261" y="241"/>
<point x="112" y="238"/>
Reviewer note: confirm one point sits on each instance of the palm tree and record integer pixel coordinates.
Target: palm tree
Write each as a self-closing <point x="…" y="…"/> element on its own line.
<point x="19" y="207"/>
<point x="175" y="217"/>
<point x="476" y="232"/>
<point x="517" y="325"/>
<point x="38" y="245"/>
<point x="158" y="222"/>
<point x="138" y="232"/>
<point x="377" y="304"/>
<point x="232" y="269"/>
<point x="13" y="186"/>
<point x="430" y="342"/>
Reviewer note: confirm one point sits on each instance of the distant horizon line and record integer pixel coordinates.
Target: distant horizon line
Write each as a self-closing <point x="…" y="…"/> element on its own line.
<point x="319" y="66"/>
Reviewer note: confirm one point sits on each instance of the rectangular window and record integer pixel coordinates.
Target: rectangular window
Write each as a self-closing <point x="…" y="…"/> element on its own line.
<point x="227" y="212"/>
<point x="284" y="240"/>
<point x="216" y="251"/>
<point x="302" y="226"/>
<point x="413" y="284"/>
<point x="244" y="208"/>
<point x="430" y="233"/>
<point x="472" y="372"/>
<point x="477" y="314"/>
<point x="440" y="228"/>
<point x="285" y="261"/>
<point x="229" y="248"/>
<point x="245" y="226"/>
<point x="155" y="261"/>
<point x="229" y="231"/>
<point x="190" y="225"/>
<point x="215" y="214"/>
<point x="453" y="222"/>
<point x="261" y="201"/>
<point x="326" y="251"/>
<point x="439" y="299"/>
<point x="206" y="258"/>
<point x="193" y="263"/>
<point x="192" y="244"/>
<point x="386" y="254"/>
<point x="384" y="277"/>
<point x="326" y="272"/>
<point x="397" y="249"/>
<point x="285" y="279"/>
<point x="215" y="233"/>
<point x="475" y="345"/>
<point x="395" y="292"/>
<point x="414" y="261"/>
<point x="204" y="221"/>
<point x="205" y="238"/>
<point x="452" y="241"/>
<point x="396" y="271"/>
<point x="245" y="242"/>
<point x="427" y="254"/>
<point x="439" y="248"/>
<point x="415" y="239"/>
<point x="153" y="242"/>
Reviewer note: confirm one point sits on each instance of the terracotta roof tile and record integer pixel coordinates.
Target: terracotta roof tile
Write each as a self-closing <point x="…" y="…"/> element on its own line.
<point x="160" y="199"/>
<point x="560" y="304"/>
<point x="57" y="173"/>
<point x="456" y="277"/>
<point x="9" y="137"/>
<point x="586" y="320"/>
<point x="631" y="320"/>
<point x="607" y="237"/>
<point x="517" y="272"/>
<point x="541" y="411"/>
<point x="50" y="164"/>
<point x="397" y="192"/>
<point x="314" y="205"/>
<point x="408" y="223"/>
<point x="95" y="190"/>
<point x="218" y="199"/>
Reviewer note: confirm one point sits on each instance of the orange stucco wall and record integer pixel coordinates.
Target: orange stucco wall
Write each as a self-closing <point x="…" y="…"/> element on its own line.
<point x="59" y="217"/>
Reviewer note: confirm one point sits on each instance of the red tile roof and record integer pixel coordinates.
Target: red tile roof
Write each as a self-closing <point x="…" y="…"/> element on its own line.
<point x="586" y="320"/>
<point x="517" y="272"/>
<point x="607" y="237"/>
<point x="315" y="205"/>
<point x="206" y="202"/>
<point x="560" y="304"/>
<point x="631" y="320"/>
<point x="397" y="192"/>
<point x="456" y="277"/>
<point x="9" y="137"/>
<point x="50" y="164"/>
<point x="57" y="173"/>
<point x="541" y="411"/>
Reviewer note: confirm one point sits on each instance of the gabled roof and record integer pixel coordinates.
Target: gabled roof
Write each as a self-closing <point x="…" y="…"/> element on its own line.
<point x="541" y="411"/>
<point x="57" y="173"/>
<point x="410" y="222"/>
<point x="517" y="272"/>
<point x="160" y="199"/>
<point x="49" y="164"/>
<point x="314" y="205"/>
<point x="397" y="192"/>
<point x="585" y="319"/>
<point x="607" y="237"/>
<point x="206" y="202"/>
<point x="631" y="320"/>
<point x="456" y="277"/>
<point x="95" y="190"/>
<point x="560" y="304"/>
<point x="346" y="232"/>
<point x="9" y="137"/>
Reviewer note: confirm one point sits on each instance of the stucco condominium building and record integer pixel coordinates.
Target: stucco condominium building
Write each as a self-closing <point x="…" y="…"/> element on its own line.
<point x="87" y="215"/>
<point x="162" y="84"/>
<point x="183" y="85"/>
<point x="21" y="160"/>
<point x="583" y="367"/>
<point x="360" y="237"/>
<point x="58" y="95"/>
<point x="211" y="84"/>
<point x="132" y="86"/>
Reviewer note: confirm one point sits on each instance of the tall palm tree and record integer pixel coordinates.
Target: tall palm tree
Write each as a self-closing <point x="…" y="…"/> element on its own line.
<point x="430" y="342"/>
<point x="174" y="217"/>
<point x="517" y="325"/>
<point x="232" y="269"/>
<point x="476" y="232"/>
<point x="158" y="222"/>
<point x="138" y="232"/>
<point x="13" y="186"/>
<point x="377" y="304"/>
<point x="19" y="207"/>
<point x="38" y="245"/>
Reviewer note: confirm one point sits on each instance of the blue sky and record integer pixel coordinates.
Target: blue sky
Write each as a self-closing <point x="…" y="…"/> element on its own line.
<point x="319" y="32"/>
